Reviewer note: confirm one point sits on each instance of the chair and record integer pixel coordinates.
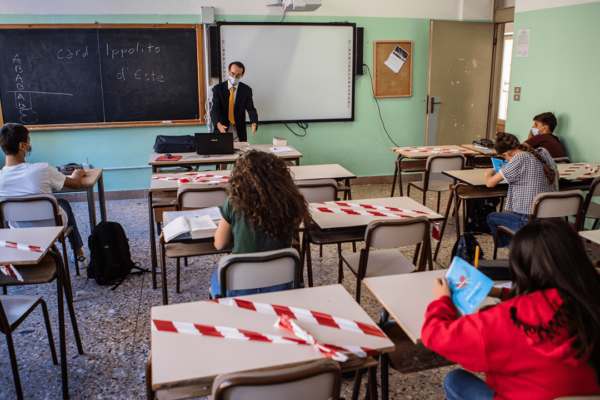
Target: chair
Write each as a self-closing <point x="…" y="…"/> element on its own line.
<point x="591" y="209"/>
<point x="258" y="270"/>
<point x="39" y="210"/>
<point x="191" y="196"/>
<point x="405" y="166"/>
<point x="13" y="311"/>
<point x="318" y="380"/>
<point x="550" y="205"/>
<point x="316" y="191"/>
<point x="390" y="235"/>
<point x="436" y="164"/>
<point x="561" y="160"/>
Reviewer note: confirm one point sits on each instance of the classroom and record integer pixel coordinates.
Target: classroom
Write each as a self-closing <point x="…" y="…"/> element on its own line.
<point x="300" y="199"/>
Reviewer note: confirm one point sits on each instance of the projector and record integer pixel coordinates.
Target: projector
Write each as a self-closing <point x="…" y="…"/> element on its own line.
<point x="296" y="5"/>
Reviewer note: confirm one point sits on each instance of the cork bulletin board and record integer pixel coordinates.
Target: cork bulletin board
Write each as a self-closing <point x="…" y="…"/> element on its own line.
<point x="387" y="83"/>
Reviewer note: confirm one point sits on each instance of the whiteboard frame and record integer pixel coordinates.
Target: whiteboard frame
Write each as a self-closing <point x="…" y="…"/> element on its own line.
<point x="133" y="124"/>
<point x="341" y="24"/>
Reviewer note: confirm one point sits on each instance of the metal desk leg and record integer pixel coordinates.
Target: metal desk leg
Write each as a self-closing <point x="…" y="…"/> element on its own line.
<point x="91" y="207"/>
<point x="152" y="240"/>
<point x="101" y="198"/>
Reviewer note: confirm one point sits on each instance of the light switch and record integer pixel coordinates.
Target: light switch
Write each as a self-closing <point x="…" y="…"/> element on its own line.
<point x="517" y="89"/>
<point x="517" y="97"/>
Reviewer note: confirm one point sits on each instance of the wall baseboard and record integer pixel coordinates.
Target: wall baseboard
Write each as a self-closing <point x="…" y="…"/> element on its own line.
<point x="143" y="193"/>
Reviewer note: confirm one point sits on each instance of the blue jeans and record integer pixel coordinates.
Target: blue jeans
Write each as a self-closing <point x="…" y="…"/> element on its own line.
<point x="463" y="385"/>
<point x="511" y="221"/>
<point x="215" y="288"/>
<point x="74" y="237"/>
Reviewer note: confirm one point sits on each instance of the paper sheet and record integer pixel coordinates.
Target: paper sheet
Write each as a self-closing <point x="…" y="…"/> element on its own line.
<point x="523" y="43"/>
<point x="280" y="149"/>
<point x="397" y="59"/>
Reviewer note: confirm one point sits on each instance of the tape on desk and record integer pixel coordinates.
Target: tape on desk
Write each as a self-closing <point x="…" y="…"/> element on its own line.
<point x="304" y="315"/>
<point x="164" y="178"/>
<point x="350" y="211"/>
<point x="371" y="207"/>
<point x="200" y="181"/>
<point x="10" y="270"/>
<point x="20" y="246"/>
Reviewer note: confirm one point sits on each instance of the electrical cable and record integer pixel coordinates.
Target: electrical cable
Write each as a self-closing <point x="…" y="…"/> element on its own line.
<point x="302" y="125"/>
<point x="379" y="109"/>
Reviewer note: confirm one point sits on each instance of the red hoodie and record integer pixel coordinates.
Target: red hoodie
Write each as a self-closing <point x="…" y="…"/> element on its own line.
<point x="518" y="345"/>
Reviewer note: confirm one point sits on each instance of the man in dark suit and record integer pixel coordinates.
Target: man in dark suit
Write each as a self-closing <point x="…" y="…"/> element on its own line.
<point x="232" y="117"/>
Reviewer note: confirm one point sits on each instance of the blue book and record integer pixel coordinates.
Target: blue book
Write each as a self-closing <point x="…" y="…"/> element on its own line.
<point x="497" y="163"/>
<point x="468" y="286"/>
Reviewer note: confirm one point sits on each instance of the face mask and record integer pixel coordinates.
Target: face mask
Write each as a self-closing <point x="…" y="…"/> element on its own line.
<point x="535" y="131"/>
<point x="28" y="154"/>
<point x="234" y="81"/>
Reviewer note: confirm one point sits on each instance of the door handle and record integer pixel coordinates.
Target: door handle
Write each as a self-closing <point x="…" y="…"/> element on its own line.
<point x="433" y="103"/>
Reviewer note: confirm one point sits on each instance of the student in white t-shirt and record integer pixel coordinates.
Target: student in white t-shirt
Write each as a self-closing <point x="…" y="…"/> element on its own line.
<point x="19" y="178"/>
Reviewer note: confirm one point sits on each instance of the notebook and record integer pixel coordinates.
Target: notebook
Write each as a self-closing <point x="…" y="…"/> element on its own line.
<point x="497" y="163"/>
<point x="468" y="286"/>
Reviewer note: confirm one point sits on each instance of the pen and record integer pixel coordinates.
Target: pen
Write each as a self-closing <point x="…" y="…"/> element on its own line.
<point x="476" y="256"/>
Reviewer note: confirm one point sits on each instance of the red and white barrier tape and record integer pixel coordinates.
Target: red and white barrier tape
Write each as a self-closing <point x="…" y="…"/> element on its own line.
<point x="371" y="207"/>
<point x="304" y="315"/>
<point x="188" y="180"/>
<point x="10" y="270"/>
<point x="164" y="178"/>
<point x="351" y="211"/>
<point x="20" y="246"/>
<point x="436" y="150"/>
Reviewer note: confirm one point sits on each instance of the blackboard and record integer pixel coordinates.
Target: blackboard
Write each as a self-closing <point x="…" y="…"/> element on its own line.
<point x="104" y="76"/>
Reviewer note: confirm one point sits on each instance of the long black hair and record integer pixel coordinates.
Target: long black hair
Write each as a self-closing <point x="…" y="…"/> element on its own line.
<point x="548" y="253"/>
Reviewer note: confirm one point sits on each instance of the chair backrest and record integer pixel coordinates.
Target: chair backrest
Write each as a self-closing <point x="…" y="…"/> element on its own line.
<point x="258" y="270"/>
<point x="319" y="380"/>
<point x="561" y="160"/>
<point x="318" y="190"/>
<point x="557" y="204"/>
<point x="595" y="188"/>
<point x="439" y="163"/>
<point x="193" y="196"/>
<point x="392" y="232"/>
<point x="35" y="210"/>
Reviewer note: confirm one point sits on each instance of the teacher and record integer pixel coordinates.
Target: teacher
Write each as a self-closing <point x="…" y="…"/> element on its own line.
<point x="231" y="100"/>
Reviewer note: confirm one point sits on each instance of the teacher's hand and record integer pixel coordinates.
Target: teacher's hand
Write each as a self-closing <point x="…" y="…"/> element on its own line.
<point x="254" y="128"/>
<point x="222" y="128"/>
<point x="441" y="288"/>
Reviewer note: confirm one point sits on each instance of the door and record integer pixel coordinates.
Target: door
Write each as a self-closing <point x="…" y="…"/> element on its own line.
<point x="458" y="87"/>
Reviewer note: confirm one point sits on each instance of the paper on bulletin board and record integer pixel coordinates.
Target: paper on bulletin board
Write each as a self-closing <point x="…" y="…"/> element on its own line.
<point x="397" y="59"/>
<point x="523" y="43"/>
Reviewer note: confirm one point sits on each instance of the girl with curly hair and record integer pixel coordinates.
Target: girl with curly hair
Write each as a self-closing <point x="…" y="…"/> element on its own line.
<point x="263" y="210"/>
<point x="528" y="172"/>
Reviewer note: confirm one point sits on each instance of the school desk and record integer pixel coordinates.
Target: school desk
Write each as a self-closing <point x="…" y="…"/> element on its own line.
<point x="486" y="151"/>
<point x="592" y="236"/>
<point x="188" y="364"/>
<point x="92" y="178"/>
<point x="194" y="159"/>
<point x="418" y="156"/>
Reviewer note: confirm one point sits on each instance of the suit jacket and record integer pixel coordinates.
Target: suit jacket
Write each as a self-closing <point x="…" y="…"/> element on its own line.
<point x="243" y="103"/>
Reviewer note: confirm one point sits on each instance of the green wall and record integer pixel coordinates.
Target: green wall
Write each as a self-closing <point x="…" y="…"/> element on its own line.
<point x="361" y="146"/>
<point x="560" y="75"/>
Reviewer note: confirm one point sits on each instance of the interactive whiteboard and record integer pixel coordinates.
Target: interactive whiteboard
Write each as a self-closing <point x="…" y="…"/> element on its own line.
<point x="298" y="72"/>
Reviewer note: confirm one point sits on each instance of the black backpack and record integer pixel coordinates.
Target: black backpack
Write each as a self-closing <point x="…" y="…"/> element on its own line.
<point x="465" y="248"/>
<point x="175" y="144"/>
<point x="477" y="212"/>
<point x="110" y="259"/>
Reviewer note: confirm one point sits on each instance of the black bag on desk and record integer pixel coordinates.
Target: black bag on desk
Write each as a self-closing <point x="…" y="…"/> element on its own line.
<point x="174" y="144"/>
<point x="110" y="258"/>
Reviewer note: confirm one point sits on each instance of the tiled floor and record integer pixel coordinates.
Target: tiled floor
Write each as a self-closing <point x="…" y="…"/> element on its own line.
<point x="115" y="325"/>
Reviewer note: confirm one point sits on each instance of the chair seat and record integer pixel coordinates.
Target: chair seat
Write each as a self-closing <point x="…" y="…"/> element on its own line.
<point x="43" y="272"/>
<point x="434" y="185"/>
<point x="176" y="250"/>
<point x="381" y="263"/>
<point x="18" y="307"/>
<point x="593" y="211"/>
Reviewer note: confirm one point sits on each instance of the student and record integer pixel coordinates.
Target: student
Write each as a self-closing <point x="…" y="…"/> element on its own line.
<point x="541" y="342"/>
<point x="528" y="173"/>
<point x="542" y="135"/>
<point x="19" y="178"/>
<point x="263" y="210"/>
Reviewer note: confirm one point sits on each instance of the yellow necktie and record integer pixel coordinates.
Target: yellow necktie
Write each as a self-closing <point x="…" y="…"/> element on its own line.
<point x="231" y="119"/>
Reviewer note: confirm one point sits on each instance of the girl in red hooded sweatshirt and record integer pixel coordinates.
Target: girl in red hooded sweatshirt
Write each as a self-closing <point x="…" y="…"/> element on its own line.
<point x="542" y="341"/>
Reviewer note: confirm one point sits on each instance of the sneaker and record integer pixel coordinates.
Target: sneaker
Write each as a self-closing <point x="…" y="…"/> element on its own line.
<point x="81" y="260"/>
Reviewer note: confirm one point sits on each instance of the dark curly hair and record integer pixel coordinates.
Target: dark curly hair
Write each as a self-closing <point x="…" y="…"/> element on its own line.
<point x="263" y="190"/>
<point x="506" y="142"/>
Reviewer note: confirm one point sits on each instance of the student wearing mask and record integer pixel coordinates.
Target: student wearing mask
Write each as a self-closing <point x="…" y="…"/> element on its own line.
<point x="231" y="100"/>
<point x="541" y="341"/>
<point x="542" y="135"/>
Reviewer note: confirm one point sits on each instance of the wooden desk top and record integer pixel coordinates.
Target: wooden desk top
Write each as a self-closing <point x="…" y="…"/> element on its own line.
<point x="42" y="237"/>
<point x="489" y="152"/>
<point x="333" y="220"/>
<point x="593" y="236"/>
<point x="89" y="180"/>
<point x="472" y="177"/>
<point x="426" y="151"/>
<point x="193" y="359"/>
<point x="194" y="158"/>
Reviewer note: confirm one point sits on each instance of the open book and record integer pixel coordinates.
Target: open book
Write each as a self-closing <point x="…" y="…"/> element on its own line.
<point x="468" y="287"/>
<point x="192" y="224"/>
